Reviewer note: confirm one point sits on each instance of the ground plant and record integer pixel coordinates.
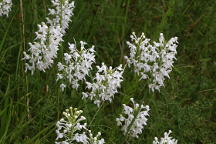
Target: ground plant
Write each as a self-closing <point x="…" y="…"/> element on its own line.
<point x="107" y="71"/>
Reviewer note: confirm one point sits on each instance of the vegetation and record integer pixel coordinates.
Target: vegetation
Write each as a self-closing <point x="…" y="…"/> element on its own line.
<point x="30" y="105"/>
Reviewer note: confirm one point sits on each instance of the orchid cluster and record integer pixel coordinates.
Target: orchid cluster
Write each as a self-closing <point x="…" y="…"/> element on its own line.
<point x="77" y="65"/>
<point x="133" y="119"/>
<point x="166" y="139"/>
<point x="42" y="52"/>
<point x="107" y="82"/>
<point x="152" y="61"/>
<point x="5" y="7"/>
<point x="73" y="129"/>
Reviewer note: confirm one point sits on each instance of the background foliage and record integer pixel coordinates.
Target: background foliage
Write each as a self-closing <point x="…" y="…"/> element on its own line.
<point x="30" y="105"/>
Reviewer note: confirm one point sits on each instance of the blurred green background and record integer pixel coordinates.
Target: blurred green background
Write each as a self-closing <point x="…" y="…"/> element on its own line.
<point x="30" y="105"/>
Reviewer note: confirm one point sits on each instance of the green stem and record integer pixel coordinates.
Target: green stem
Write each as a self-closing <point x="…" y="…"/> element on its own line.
<point x="96" y="113"/>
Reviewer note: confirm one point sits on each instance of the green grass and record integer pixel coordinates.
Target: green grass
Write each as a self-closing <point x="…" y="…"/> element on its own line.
<point x="186" y="105"/>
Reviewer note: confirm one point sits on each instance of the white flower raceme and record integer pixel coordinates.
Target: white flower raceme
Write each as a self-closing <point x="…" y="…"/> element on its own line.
<point x="44" y="49"/>
<point x="166" y="139"/>
<point x="42" y="52"/>
<point x="61" y="13"/>
<point x="152" y="61"/>
<point x="77" y="65"/>
<point x="105" y="85"/>
<point x="5" y="7"/>
<point x="133" y="119"/>
<point x="73" y="129"/>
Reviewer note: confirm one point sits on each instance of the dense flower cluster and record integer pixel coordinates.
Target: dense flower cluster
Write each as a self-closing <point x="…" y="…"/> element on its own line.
<point x="166" y="139"/>
<point x="107" y="82"/>
<point x="152" y="61"/>
<point x="42" y="52"/>
<point x="77" y="65"/>
<point x="133" y="120"/>
<point x="61" y="13"/>
<point x="73" y="129"/>
<point x="5" y="7"/>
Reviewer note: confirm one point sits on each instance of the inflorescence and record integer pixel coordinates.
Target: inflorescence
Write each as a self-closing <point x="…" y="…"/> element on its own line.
<point x="77" y="65"/>
<point x="5" y="7"/>
<point x="61" y="13"/>
<point x="72" y="128"/>
<point x="42" y="52"/>
<point x="152" y="61"/>
<point x="105" y="85"/>
<point x="166" y="139"/>
<point x="133" y="119"/>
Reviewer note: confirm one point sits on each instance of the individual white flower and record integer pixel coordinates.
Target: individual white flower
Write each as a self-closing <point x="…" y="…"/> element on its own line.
<point x="166" y="139"/>
<point x="106" y="83"/>
<point x="5" y="7"/>
<point x="62" y="86"/>
<point x="78" y="63"/>
<point x="72" y="128"/>
<point x="42" y="52"/>
<point x="152" y="61"/>
<point x="133" y="119"/>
